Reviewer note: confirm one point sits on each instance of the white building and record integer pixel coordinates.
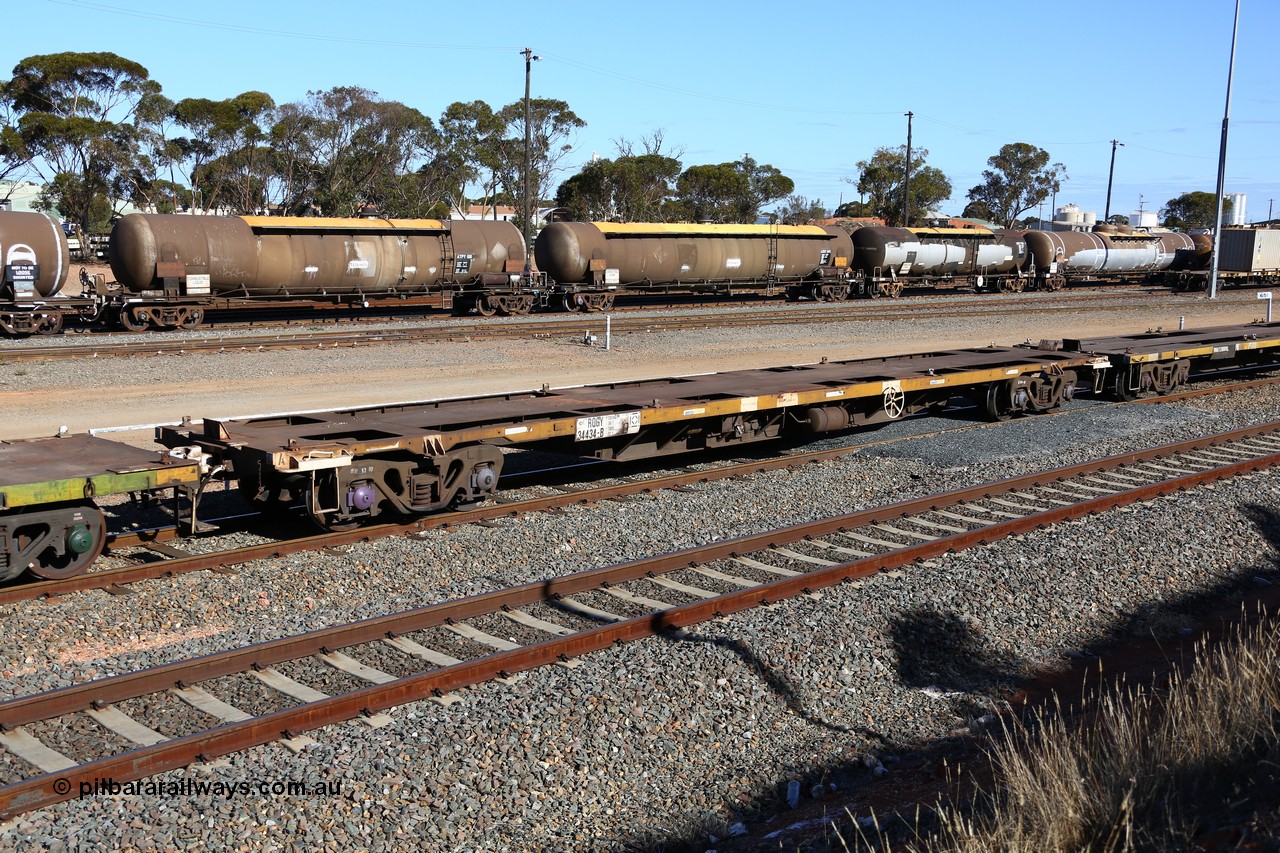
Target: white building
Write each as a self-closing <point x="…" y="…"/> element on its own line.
<point x="1144" y="219"/>
<point x="474" y="212"/>
<point x="18" y="195"/>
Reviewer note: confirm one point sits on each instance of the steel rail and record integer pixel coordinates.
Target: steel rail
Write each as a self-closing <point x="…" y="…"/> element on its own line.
<point x="49" y="788"/>
<point x="125" y="575"/>
<point x="489" y="512"/>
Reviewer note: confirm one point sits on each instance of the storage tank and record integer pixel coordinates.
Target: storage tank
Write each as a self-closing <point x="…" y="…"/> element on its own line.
<point x="1070" y="214"/>
<point x="934" y="251"/>
<point x="655" y="252"/>
<point x="291" y="256"/>
<point x="36" y="257"/>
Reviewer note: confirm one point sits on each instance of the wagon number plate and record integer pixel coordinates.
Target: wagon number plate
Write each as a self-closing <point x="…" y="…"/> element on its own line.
<point x="605" y="426"/>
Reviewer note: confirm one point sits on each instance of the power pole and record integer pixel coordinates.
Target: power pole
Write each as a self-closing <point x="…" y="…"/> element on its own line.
<point x="906" y="183"/>
<point x="1222" y="164"/>
<point x="1106" y="216"/>
<point x="529" y="59"/>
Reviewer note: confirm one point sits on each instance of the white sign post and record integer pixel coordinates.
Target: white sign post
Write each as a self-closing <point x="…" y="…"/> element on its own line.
<point x="1266" y="294"/>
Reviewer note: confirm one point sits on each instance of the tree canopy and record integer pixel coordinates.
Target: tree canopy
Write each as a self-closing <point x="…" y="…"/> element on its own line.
<point x="551" y="124"/>
<point x="1017" y="179"/>
<point x="728" y="192"/>
<point x="81" y="119"/>
<point x="880" y="179"/>
<point x="634" y="188"/>
<point x="798" y="210"/>
<point x="1192" y="210"/>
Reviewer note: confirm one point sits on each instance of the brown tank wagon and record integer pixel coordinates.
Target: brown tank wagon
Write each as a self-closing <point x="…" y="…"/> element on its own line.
<point x="36" y="258"/>
<point x="592" y="261"/>
<point x="282" y="257"/>
<point x="35" y="253"/>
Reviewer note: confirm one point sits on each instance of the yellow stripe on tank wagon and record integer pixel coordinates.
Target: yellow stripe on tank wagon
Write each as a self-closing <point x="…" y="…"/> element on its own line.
<point x="345" y="224"/>
<point x="625" y="229"/>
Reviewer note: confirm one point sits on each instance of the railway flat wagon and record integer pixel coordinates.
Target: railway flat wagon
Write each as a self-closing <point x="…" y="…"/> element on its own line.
<point x="50" y="523"/>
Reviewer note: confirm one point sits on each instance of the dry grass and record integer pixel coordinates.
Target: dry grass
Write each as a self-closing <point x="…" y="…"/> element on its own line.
<point x="1180" y="767"/>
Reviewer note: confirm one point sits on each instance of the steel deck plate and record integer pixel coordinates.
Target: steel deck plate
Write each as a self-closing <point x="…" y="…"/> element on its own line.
<point x="532" y="416"/>
<point x="44" y="470"/>
<point x="1181" y="341"/>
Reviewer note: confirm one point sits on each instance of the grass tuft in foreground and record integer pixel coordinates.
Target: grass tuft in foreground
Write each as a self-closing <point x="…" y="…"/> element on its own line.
<point x="1192" y="764"/>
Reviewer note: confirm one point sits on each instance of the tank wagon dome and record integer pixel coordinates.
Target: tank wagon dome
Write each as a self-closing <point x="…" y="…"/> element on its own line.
<point x="291" y="256"/>
<point x="574" y="252"/>
<point x="35" y="254"/>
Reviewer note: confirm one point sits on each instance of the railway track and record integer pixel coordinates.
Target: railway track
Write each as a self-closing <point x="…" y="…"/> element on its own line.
<point x="166" y="560"/>
<point x="555" y="622"/>
<point x="543" y="326"/>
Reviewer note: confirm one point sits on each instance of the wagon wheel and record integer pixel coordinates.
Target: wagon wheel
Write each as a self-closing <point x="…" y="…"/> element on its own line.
<point x="484" y="307"/>
<point x="81" y="546"/>
<point x="49" y="324"/>
<point x="133" y="319"/>
<point x="1121" y="387"/>
<point x="895" y="403"/>
<point x="606" y="304"/>
<point x="191" y="318"/>
<point x="998" y="409"/>
<point x="326" y="519"/>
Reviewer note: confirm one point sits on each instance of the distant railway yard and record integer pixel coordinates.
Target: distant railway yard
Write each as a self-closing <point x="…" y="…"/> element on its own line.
<point x="692" y="650"/>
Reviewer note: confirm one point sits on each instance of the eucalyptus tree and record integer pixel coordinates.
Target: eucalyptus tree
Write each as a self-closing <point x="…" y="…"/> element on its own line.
<point x="341" y="149"/>
<point x="1017" y="178"/>
<point x="224" y="150"/>
<point x="82" y="119"/>
<point x="729" y="192"/>
<point x="881" y="177"/>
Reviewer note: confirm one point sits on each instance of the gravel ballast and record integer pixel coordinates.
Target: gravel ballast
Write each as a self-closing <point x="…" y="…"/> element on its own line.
<point x="673" y="739"/>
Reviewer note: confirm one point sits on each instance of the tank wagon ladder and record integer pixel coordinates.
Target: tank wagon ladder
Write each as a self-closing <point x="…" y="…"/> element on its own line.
<point x="447" y="260"/>
<point x="771" y="275"/>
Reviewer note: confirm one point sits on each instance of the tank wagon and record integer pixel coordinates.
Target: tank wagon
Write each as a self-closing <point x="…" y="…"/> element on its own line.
<point x="1061" y="256"/>
<point x="887" y="258"/>
<point x="173" y="267"/>
<point x="37" y="261"/>
<point x="353" y="466"/>
<point x="590" y="262"/>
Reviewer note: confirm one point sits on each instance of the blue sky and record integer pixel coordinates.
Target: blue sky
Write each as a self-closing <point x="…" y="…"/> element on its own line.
<point x="810" y="88"/>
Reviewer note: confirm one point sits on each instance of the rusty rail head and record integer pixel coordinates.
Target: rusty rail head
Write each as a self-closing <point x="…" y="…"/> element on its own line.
<point x="133" y="574"/>
<point x="16" y="712"/>
<point x="40" y="791"/>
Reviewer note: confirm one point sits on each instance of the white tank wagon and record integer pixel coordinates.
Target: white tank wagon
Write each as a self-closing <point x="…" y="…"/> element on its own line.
<point x="888" y="258"/>
<point x="1058" y="256"/>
